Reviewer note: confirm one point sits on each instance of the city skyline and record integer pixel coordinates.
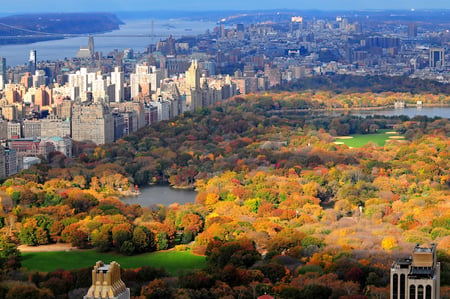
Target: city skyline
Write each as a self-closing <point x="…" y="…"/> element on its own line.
<point x="28" y="6"/>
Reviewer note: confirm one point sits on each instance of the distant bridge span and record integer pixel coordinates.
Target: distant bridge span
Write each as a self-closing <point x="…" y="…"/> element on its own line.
<point x="87" y="35"/>
<point x="15" y="32"/>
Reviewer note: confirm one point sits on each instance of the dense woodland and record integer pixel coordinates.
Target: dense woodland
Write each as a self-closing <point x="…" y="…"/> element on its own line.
<point x="350" y="83"/>
<point x="281" y="209"/>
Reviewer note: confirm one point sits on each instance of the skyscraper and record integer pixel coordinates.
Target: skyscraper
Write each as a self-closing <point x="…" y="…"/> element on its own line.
<point x="193" y="76"/>
<point x="32" y="64"/>
<point x="2" y="72"/>
<point x="437" y="58"/>
<point x="193" y="88"/>
<point x="412" y="30"/>
<point x="91" y="46"/>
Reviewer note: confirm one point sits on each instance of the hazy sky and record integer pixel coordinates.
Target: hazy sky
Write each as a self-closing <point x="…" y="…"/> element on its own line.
<point x="139" y="5"/>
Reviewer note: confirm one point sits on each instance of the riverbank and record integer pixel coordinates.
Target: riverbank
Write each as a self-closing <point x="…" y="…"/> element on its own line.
<point x="27" y="28"/>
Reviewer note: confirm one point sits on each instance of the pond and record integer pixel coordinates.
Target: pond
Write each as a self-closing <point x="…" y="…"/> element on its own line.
<point x="161" y="195"/>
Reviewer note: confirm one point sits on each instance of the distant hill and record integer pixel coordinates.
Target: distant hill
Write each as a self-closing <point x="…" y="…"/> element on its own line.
<point x="28" y="28"/>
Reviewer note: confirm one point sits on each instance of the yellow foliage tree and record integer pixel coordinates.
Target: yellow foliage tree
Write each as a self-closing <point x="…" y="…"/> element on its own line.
<point x="389" y="243"/>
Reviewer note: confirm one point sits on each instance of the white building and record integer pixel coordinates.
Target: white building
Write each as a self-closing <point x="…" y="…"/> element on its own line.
<point x="163" y="107"/>
<point x="63" y="145"/>
<point x="118" y="79"/>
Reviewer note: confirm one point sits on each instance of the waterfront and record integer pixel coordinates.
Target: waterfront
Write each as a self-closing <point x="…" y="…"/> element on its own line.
<point x="128" y="36"/>
<point x="161" y="195"/>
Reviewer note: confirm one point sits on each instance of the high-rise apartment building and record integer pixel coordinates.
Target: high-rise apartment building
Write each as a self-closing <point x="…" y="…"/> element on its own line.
<point x="2" y="163"/>
<point x="99" y="88"/>
<point x="55" y="126"/>
<point x="144" y="81"/>
<point x="92" y="122"/>
<point x="64" y="109"/>
<point x="11" y="162"/>
<point x="437" y="57"/>
<point x="118" y="79"/>
<point x="417" y="277"/>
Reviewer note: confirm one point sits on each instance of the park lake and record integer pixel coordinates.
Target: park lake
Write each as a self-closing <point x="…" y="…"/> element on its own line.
<point x="161" y="194"/>
<point x="166" y="195"/>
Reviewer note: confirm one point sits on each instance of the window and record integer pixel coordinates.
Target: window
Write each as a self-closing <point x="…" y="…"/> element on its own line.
<point x="402" y="287"/>
<point x="420" y="292"/>
<point x="428" y="292"/>
<point x="395" y="286"/>
<point x="412" y="292"/>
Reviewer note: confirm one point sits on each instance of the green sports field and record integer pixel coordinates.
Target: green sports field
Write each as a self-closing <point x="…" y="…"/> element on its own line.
<point x="359" y="140"/>
<point x="172" y="261"/>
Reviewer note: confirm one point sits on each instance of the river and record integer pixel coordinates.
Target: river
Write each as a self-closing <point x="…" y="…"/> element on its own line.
<point x="161" y="195"/>
<point x="126" y="37"/>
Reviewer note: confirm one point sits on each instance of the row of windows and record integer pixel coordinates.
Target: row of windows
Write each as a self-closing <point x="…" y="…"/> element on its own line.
<point x="421" y="291"/>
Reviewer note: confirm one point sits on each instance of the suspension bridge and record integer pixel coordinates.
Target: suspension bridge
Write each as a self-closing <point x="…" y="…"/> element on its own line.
<point x="14" y="32"/>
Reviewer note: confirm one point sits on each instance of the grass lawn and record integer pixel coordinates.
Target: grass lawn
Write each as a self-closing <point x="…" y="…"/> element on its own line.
<point x="360" y="140"/>
<point x="172" y="261"/>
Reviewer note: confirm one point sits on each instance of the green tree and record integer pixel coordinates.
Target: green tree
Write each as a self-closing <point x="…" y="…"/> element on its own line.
<point x="10" y="257"/>
<point x="102" y="240"/>
<point x="239" y="253"/>
<point x="32" y="234"/>
<point x="143" y="239"/>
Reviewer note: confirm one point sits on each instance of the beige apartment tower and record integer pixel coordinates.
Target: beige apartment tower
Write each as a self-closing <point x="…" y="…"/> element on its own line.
<point x="193" y="88"/>
<point x="92" y="122"/>
<point x="416" y="277"/>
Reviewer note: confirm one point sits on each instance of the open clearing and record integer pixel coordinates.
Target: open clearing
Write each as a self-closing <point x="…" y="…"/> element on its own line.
<point x="172" y="261"/>
<point x="359" y="140"/>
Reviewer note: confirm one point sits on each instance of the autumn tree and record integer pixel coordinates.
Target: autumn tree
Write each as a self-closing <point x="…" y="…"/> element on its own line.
<point x="32" y="234"/>
<point x="10" y="257"/>
<point x="143" y="239"/>
<point x="239" y="253"/>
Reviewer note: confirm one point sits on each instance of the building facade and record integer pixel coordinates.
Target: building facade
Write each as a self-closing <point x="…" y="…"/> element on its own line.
<point x="54" y="126"/>
<point x="92" y="122"/>
<point x="31" y="128"/>
<point x="417" y="277"/>
<point x="107" y="283"/>
<point x="437" y="58"/>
